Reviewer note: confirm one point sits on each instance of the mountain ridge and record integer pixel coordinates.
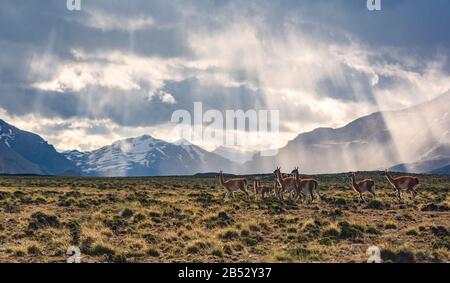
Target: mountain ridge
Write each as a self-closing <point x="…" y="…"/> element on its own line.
<point x="371" y="142"/>
<point x="23" y="152"/>
<point x="147" y="156"/>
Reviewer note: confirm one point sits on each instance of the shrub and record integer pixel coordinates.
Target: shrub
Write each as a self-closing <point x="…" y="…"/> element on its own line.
<point x="151" y="239"/>
<point x="434" y="207"/>
<point x="390" y="226"/>
<point x="412" y="232"/>
<point x="228" y="250"/>
<point x="331" y="233"/>
<point x="325" y="241"/>
<point x="376" y="204"/>
<point x="41" y="220"/>
<point x="439" y="231"/>
<point x="372" y="230"/>
<point x="245" y="233"/>
<point x="153" y="252"/>
<point x="229" y="235"/>
<point x="100" y="250"/>
<point x="311" y="229"/>
<point x="349" y="231"/>
<point x="217" y="253"/>
<point x="193" y="250"/>
<point x="126" y="213"/>
<point x="442" y="243"/>
<point x="33" y="250"/>
<point x="403" y="256"/>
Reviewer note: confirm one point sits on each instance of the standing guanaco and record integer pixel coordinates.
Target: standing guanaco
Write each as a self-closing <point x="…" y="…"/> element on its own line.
<point x="407" y="183"/>
<point x="233" y="185"/>
<point x="363" y="186"/>
<point x="285" y="184"/>
<point x="262" y="190"/>
<point x="306" y="187"/>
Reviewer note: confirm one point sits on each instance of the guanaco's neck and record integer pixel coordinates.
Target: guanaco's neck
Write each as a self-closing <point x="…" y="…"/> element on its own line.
<point x="354" y="180"/>
<point x="221" y="179"/>
<point x="279" y="177"/>
<point x="297" y="177"/>
<point x="389" y="177"/>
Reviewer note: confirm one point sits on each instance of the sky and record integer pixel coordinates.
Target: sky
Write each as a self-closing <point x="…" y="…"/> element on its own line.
<point x="118" y="69"/>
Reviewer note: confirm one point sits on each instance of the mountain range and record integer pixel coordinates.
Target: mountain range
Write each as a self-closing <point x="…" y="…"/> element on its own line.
<point x="147" y="156"/>
<point x="415" y="140"/>
<point x="23" y="152"/>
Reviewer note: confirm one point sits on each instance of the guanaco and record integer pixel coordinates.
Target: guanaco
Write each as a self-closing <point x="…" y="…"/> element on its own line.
<point x="306" y="187"/>
<point x="363" y="186"/>
<point x="285" y="184"/>
<point x="262" y="190"/>
<point x="233" y="185"/>
<point x="407" y="183"/>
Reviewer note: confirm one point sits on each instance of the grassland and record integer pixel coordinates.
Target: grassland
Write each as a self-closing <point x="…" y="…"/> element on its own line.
<point x="188" y="220"/>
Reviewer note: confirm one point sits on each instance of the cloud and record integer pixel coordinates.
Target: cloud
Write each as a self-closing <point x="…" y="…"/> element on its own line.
<point x="105" y="21"/>
<point x="119" y="65"/>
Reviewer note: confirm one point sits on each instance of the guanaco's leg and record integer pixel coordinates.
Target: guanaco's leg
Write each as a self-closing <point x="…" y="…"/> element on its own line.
<point x="245" y="192"/>
<point x="399" y="194"/>
<point x="361" y="197"/>
<point x="317" y="192"/>
<point x="415" y="192"/>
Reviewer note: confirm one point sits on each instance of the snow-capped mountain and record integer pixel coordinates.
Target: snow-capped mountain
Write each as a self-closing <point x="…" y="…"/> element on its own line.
<point x="147" y="156"/>
<point x="23" y="152"/>
<point x="234" y="155"/>
<point x="377" y="141"/>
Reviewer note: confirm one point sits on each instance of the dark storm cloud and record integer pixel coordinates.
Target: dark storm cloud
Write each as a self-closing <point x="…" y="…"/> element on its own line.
<point x="421" y="27"/>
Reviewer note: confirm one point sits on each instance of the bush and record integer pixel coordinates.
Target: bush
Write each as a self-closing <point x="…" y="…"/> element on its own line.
<point x="439" y="231"/>
<point x="193" y="250"/>
<point x="349" y="231"/>
<point x="33" y="250"/>
<point x="398" y="257"/>
<point x="434" y="207"/>
<point x="126" y="213"/>
<point x="312" y="230"/>
<point x="331" y="233"/>
<point x="376" y="204"/>
<point x="325" y="241"/>
<point x="443" y="243"/>
<point x="229" y="235"/>
<point x="153" y="252"/>
<point x="372" y="230"/>
<point x="101" y="250"/>
<point x="390" y="226"/>
<point x="217" y="253"/>
<point x="151" y="239"/>
<point x="41" y="220"/>
<point x="412" y="232"/>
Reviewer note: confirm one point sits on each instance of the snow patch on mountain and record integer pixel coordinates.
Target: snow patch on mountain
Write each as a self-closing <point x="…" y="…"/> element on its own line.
<point x="146" y="156"/>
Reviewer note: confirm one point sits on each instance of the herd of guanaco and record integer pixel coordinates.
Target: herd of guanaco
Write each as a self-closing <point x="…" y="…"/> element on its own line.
<point x="297" y="187"/>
